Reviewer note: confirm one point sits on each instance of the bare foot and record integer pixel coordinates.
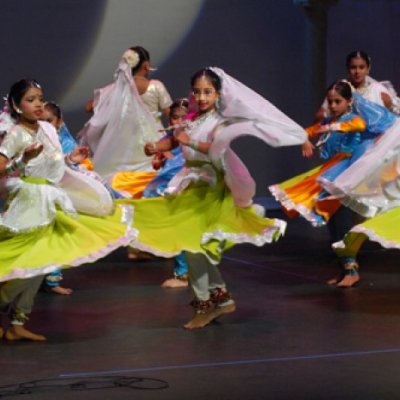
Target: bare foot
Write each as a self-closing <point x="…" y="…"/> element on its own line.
<point x="199" y="320"/>
<point x="202" y="320"/>
<point x="18" y="332"/>
<point x="221" y="310"/>
<point x="333" y="281"/>
<point x="61" y="290"/>
<point x="348" y="281"/>
<point x="174" y="283"/>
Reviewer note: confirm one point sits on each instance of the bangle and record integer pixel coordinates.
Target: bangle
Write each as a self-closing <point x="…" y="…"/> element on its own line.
<point x="10" y="168"/>
<point x="19" y="163"/>
<point x="194" y="144"/>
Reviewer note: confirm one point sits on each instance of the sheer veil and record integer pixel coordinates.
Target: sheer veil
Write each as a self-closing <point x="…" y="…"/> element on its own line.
<point x="119" y="127"/>
<point x="253" y="115"/>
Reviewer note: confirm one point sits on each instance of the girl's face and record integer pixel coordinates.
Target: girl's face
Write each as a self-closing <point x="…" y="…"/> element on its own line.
<point x="176" y="116"/>
<point x="337" y="104"/>
<point x="358" y="69"/>
<point x="204" y="95"/>
<point x="32" y="105"/>
<point x="50" y="117"/>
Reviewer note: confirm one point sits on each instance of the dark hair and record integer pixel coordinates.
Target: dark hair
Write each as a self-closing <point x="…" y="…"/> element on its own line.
<point x="143" y="54"/>
<point x="358" y="54"/>
<point x="180" y="103"/>
<point x="54" y="108"/>
<point x="17" y="92"/>
<point x="210" y="75"/>
<point x="343" y="88"/>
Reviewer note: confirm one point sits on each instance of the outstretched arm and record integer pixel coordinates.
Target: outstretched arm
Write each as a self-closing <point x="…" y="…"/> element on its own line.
<point x="313" y="131"/>
<point x="78" y="155"/>
<point x="164" y="144"/>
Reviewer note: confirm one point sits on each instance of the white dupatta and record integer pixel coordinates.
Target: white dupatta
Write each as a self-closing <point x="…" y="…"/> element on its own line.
<point x="119" y="127"/>
<point x="255" y="116"/>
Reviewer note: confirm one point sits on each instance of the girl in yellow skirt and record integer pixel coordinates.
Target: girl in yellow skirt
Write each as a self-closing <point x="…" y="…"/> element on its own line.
<point x="54" y="217"/>
<point x="208" y="205"/>
<point x="382" y="229"/>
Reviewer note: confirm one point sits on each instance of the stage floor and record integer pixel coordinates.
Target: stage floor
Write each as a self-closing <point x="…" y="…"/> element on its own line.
<point x="120" y="335"/>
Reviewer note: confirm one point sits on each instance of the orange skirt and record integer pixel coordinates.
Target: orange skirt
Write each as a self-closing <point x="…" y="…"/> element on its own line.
<point x="299" y="195"/>
<point x="132" y="182"/>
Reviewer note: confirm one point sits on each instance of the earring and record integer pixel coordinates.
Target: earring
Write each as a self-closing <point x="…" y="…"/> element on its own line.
<point x="217" y="104"/>
<point x="18" y="110"/>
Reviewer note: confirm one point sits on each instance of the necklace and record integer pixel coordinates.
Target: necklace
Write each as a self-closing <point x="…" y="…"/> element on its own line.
<point x="29" y="129"/>
<point x="363" y="88"/>
<point x="199" y="120"/>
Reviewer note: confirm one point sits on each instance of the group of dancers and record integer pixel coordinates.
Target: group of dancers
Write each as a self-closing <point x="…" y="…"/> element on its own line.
<point x="181" y="191"/>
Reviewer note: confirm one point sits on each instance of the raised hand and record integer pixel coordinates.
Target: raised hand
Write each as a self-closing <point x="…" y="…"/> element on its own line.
<point x="308" y="149"/>
<point x="79" y="154"/>
<point x="31" y="152"/>
<point x="150" y="148"/>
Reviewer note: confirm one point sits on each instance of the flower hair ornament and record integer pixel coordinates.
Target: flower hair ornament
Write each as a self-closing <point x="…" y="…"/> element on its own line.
<point x="131" y="57"/>
<point x="353" y="89"/>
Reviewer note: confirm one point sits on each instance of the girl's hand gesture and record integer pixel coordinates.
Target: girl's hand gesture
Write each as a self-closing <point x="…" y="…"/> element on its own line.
<point x="158" y="161"/>
<point x="308" y="149"/>
<point x="79" y="154"/>
<point x="31" y="152"/>
<point x="150" y="148"/>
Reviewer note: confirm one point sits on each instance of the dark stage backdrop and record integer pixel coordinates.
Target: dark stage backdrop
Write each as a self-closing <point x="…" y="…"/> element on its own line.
<point x="276" y="47"/>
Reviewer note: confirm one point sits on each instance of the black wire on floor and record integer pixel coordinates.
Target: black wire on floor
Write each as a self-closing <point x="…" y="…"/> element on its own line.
<point x="86" y="384"/>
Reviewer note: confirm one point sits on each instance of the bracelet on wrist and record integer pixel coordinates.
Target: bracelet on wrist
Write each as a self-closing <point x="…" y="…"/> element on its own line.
<point x="10" y="168"/>
<point x="19" y="163"/>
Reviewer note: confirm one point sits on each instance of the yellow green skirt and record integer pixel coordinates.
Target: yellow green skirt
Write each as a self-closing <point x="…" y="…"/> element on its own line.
<point x="382" y="229"/>
<point x="202" y="219"/>
<point x="66" y="242"/>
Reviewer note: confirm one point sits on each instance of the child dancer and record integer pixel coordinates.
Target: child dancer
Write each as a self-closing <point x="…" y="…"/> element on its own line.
<point x="370" y="187"/>
<point x="210" y="207"/>
<point x="173" y="163"/>
<point x="40" y="229"/>
<point x="343" y="139"/>
<point x="52" y="114"/>
<point x="126" y="116"/>
<point x="382" y="229"/>
<point x="358" y="65"/>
